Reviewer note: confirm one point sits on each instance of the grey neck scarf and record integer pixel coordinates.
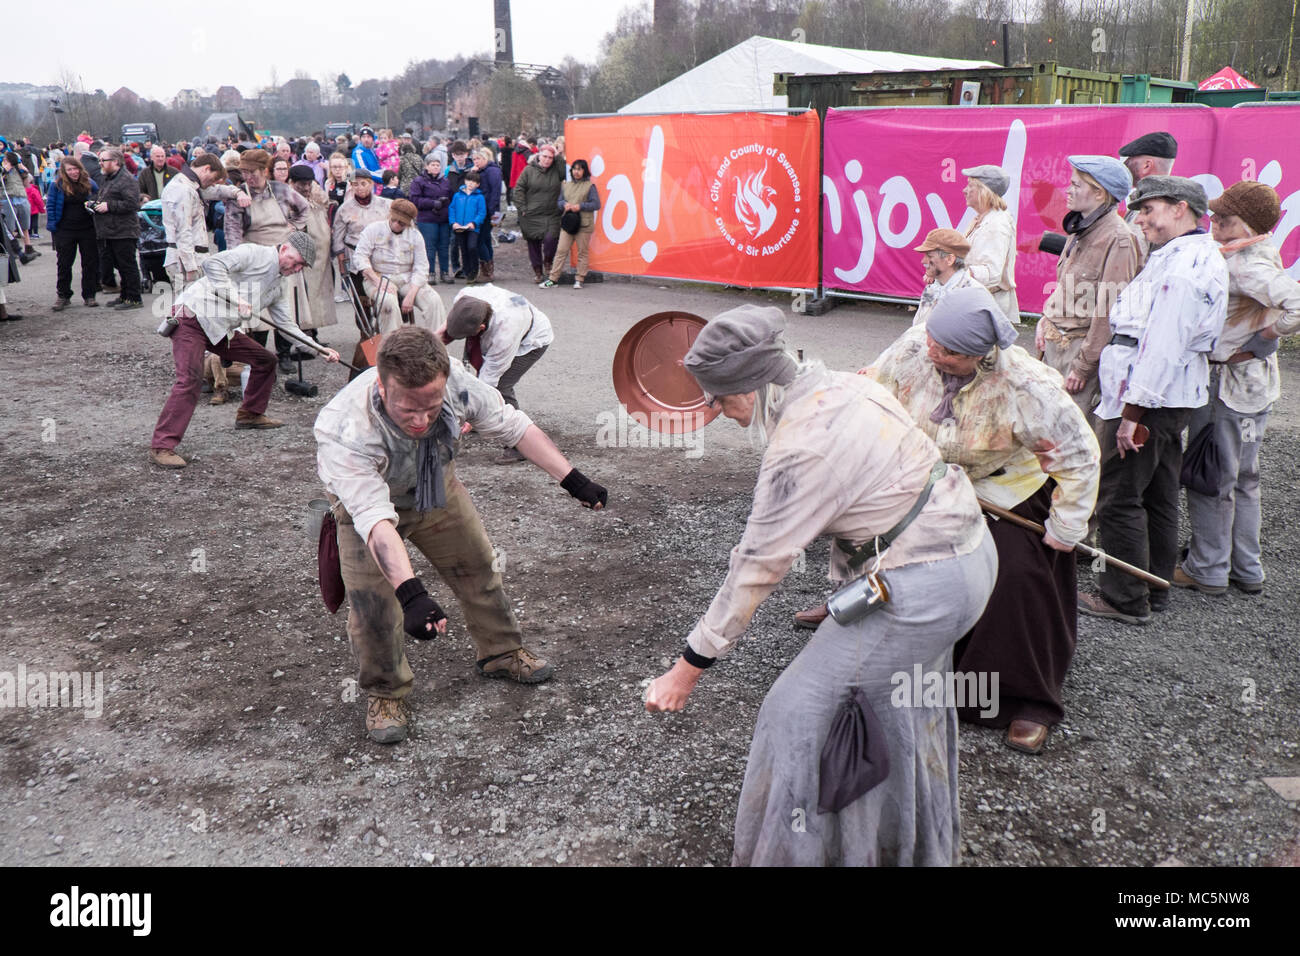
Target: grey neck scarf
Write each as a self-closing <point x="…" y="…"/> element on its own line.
<point x="430" y="492"/>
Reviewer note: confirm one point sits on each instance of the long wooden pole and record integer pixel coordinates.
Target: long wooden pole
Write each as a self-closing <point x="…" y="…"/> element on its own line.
<point x="1080" y="548"/>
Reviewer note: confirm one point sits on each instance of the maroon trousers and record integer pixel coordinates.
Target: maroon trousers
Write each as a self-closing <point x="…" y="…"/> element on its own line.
<point x="188" y="345"/>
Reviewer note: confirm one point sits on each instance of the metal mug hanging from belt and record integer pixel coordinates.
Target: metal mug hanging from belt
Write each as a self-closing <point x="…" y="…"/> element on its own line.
<point x="859" y="598"/>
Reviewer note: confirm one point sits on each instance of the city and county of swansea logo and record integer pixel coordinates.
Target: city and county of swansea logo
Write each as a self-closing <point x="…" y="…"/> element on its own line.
<point x="757" y="197"/>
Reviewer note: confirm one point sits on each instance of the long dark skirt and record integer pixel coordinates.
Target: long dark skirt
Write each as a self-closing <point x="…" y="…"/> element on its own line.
<point x="1028" y="631"/>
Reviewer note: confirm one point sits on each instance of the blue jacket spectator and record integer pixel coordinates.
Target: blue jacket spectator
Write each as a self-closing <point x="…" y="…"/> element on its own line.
<point x="468" y="207"/>
<point x="54" y="200"/>
<point x="364" y="156"/>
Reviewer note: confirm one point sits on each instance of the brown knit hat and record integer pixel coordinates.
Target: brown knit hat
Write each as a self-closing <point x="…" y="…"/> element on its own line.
<point x="1252" y="202"/>
<point x="254" y="159"/>
<point x="404" y="210"/>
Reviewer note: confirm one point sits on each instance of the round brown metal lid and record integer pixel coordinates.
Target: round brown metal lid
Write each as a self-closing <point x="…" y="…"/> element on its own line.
<point x="650" y="379"/>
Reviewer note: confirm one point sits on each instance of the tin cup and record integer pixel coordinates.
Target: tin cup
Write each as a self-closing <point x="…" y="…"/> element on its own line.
<point x="857" y="599"/>
<point x="316" y="509"/>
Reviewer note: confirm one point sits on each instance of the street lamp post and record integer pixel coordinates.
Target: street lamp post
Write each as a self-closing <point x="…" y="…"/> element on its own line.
<point x="56" y="109"/>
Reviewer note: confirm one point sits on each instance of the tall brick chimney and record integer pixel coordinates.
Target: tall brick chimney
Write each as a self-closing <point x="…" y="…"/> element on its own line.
<point x="504" y="43"/>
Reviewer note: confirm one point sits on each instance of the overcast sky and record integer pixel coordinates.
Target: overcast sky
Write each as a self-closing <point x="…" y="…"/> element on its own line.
<point x="111" y="46"/>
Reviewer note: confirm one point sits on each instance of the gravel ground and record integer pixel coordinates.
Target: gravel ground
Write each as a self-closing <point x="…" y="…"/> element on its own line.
<point x="228" y="736"/>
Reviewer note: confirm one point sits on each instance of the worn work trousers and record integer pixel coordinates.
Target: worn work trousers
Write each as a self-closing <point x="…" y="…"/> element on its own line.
<point x="429" y="310"/>
<point x="1225" y="530"/>
<point x="188" y="345"/>
<point x="1137" y="506"/>
<point x="521" y="364"/>
<point x="454" y="541"/>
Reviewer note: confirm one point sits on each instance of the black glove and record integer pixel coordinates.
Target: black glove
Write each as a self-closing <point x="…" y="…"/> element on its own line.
<point x="584" y="489"/>
<point x="420" y="613"/>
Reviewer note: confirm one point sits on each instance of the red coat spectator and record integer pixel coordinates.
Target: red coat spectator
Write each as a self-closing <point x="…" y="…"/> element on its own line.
<point x="34" y="199"/>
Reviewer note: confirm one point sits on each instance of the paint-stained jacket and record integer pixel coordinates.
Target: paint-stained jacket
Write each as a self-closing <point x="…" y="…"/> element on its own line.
<point x="992" y="258"/>
<point x="1093" y="269"/>
<point x="1260" y="294"/>
<point x="1175" y="309"/>
<point x="1014" y="426"/>
<point x="249" y="274"/>
<point x="351" y="218"/>
<point x="515" y="328"/>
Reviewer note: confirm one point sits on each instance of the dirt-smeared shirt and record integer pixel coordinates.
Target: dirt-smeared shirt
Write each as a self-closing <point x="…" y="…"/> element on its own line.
<point x="1013" y="426"/>
<point x="1175" y="308"/>
<point x="370" y="464"/>
<point x="1260" y="294"/>
<point x="843" y="459"/>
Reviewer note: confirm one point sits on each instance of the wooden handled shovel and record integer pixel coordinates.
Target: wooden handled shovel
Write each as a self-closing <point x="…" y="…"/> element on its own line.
<point x="1080" y="548"/>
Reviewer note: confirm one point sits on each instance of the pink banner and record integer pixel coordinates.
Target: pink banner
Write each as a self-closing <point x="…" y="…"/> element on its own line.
<point x="890" y="175"/>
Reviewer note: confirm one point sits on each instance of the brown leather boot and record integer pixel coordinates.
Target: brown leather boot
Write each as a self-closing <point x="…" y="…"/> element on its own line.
<point x="813" y="617"/>
<point x="538" y="275"/>
<point x="245" y="419"/>
<point x="387" y="719"/>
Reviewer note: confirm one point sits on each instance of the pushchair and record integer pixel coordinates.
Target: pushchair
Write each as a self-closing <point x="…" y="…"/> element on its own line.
<point x="152" y="245"/>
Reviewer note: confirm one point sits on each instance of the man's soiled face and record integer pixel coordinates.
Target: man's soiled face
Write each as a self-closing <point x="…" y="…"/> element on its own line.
<point x="363" y="186"/>
<point x="1161" y="220"/>
<point x="413" y="410"/>
<point x="938" y="264"/>
<point x="290" y="260"/>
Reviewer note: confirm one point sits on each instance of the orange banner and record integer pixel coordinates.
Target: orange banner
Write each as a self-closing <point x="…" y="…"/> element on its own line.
<point x="729" y="198"/>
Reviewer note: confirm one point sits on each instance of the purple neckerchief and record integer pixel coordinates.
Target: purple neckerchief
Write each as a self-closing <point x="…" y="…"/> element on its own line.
<point x="952" y="384"/>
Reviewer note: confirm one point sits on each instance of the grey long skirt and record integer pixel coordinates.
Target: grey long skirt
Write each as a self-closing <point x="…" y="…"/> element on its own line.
<point x="912" y="818"/>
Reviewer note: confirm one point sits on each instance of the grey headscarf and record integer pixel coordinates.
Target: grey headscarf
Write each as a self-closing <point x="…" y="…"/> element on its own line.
<point x="740" y="351"/>
<point x="969" y="322"/>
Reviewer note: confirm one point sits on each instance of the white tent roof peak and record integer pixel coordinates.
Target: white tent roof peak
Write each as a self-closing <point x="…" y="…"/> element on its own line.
<point x="741" y="78"/>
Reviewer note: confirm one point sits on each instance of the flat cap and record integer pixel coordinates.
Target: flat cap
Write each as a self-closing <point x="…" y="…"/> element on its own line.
<point x="947" y="240"/>
<point x="468" y="313"/>
<point x="1173" y="188"/>
<point x="305" y="245"/>
<point x="1160" y="144"/>
<point x="991" y="176"/>
<point x="301" y="172"/>
<point x="1112" y="175"/>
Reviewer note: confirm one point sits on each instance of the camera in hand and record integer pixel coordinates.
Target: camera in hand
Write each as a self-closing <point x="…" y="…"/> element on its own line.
<point x="90" y="205"/>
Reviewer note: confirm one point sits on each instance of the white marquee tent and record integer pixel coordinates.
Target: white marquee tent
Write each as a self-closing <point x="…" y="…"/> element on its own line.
<point x="741" y="78"/>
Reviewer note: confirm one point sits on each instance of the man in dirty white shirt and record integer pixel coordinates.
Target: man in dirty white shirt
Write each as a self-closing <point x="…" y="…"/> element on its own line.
<point x="385" y="449"/>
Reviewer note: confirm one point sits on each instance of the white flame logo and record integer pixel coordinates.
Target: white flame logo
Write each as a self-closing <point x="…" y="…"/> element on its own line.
<point x="753" y="207"/>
